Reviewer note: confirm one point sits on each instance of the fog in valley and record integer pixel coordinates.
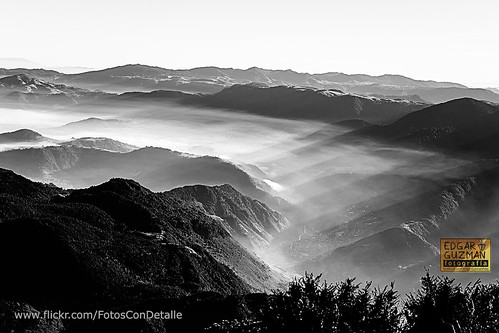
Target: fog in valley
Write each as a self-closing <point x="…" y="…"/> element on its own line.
<point x="327" y="178"/>
<point x="267" y="167"/>
<point x="320" y="176"/>
<point x="299" y="160"/>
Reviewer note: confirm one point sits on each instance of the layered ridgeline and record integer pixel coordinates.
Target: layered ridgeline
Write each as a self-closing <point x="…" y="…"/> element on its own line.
<point x="213" y="79"/>
<point x="306" y="103"/>
<point x="285" y="102"/>
<point x="28" y="138"/>
<point x="118" y="246"/>
<point x="89" y="161"/>
<point x="289" y="102"/>
<point x="273" y="101"/>
<point x="396" y="242"/>
<point x="278" y="102"/>
<point x="393" y="230"/>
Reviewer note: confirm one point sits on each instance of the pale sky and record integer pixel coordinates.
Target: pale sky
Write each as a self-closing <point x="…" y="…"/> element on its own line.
<point x="445" y="40"/>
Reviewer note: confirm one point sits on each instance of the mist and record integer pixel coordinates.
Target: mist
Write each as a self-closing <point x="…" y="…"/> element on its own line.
<point x="285" y="154"/>
<point x="328" y="180"/>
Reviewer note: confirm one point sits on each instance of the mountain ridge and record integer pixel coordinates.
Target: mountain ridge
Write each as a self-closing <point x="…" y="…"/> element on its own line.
<point x="211" y="79"/>
<point x="122" y="221"/>
<point x="21" y="135"/>
<point x="247" y="219"/>
<point x="383" y="244"/>
<point x="75" y="166"/>
<point x="462" y="126"/>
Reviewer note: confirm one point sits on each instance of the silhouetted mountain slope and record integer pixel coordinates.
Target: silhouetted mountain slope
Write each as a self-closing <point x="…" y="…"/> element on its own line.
<point x="460" y="114"/>
<point x="114" y="244"/>
<point x="463" y="126"/>
<point x="247" y="219"/>
<point x="118" y="247"/>
<point x="157" y="168"/>
<point x="13" y="184"/>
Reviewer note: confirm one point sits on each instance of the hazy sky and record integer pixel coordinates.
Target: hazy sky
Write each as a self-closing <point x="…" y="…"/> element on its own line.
<point x="451" y="40"/>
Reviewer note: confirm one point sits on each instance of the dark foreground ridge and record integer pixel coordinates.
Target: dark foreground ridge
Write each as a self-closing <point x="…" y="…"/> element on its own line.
<point x="119" y="247"/>
<point x="116" y="245"/>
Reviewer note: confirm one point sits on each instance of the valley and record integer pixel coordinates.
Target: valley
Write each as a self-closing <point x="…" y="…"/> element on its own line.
<point x="239" y="180"/>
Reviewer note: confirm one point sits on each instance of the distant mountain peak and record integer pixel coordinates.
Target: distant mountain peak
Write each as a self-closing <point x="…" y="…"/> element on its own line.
<point x="466" y="104"/>
<point x="25" y="132"/>
<point x="21" y="135"/>
<point x="465" y="126"/>
<point x="94" y="120"/>
<point x="121" y="185"/>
